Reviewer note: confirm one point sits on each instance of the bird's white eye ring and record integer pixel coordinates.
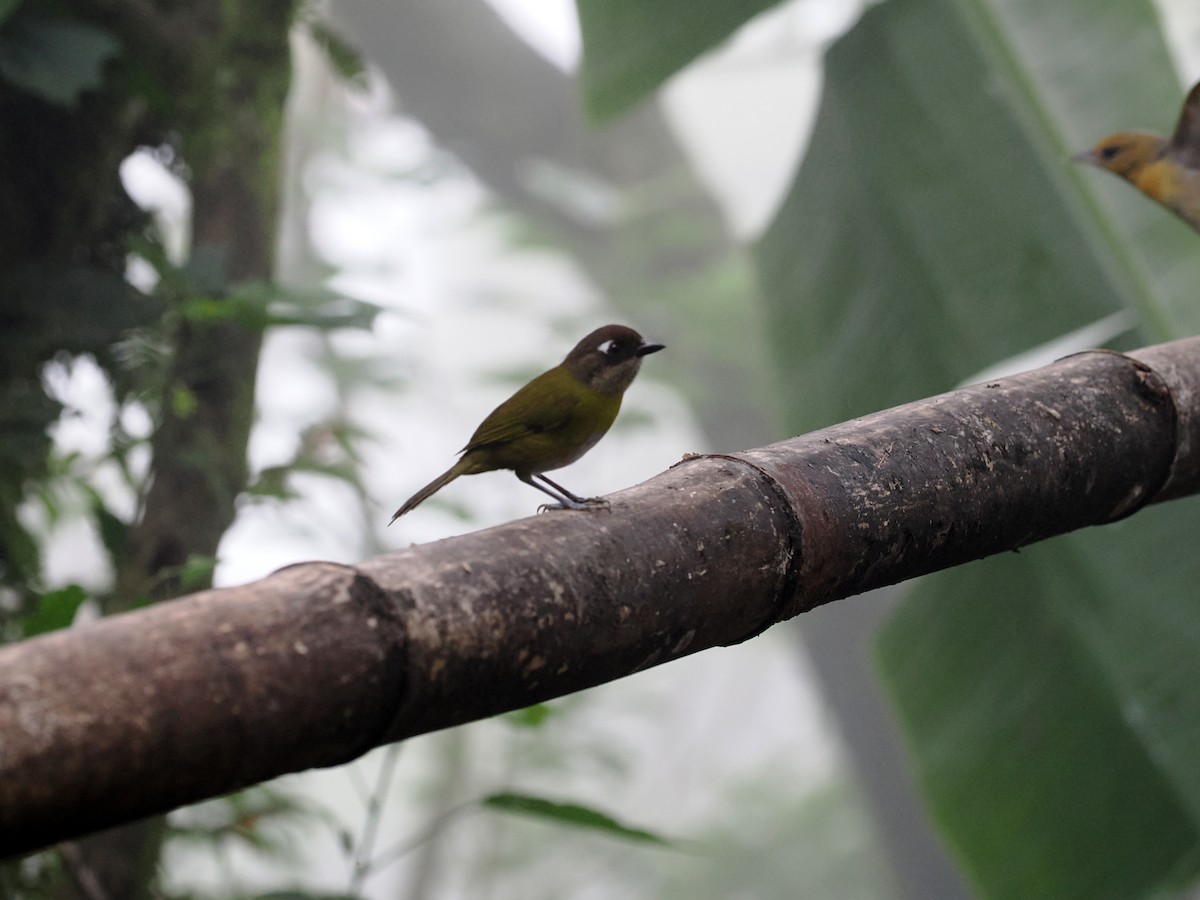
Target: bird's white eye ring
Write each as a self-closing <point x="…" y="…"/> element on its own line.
<point x="607" y="347"/>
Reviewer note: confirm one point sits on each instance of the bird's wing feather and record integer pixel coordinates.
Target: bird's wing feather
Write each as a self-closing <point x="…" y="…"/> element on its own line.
<point x="535" y="409"/>
<point x="1185" y="142"/>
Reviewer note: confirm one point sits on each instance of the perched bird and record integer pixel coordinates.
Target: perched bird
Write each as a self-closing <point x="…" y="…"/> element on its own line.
<point x="553" y="420"/>
<point x="1166" y="170"/>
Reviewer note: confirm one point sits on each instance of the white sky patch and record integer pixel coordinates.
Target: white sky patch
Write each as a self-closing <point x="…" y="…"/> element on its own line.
<point x="744" y="111"/>
<point x="1181" y="29"/>
<point x="160" y="192"/>
<point x="549" y="26"/>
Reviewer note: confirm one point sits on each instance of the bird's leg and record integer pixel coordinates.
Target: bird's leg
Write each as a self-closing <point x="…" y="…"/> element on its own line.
<point x="565" y="493"/>
<point x="583" y="502"/>
<point x="566" y="500"/>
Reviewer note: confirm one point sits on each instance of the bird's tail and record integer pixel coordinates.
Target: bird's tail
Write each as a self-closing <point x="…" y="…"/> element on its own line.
<point x="432" y="488"/>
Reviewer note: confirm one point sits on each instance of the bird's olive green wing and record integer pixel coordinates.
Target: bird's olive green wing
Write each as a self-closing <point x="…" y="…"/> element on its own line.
<point x="544" y="405"/>
<point x="1185" y="142"/>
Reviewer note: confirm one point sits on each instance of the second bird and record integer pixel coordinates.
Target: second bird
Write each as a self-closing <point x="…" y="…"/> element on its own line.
<point x="553" y="420"/>
<point x="1164" y="169"/>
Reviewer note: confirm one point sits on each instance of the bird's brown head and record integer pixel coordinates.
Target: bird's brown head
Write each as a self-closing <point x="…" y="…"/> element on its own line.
<point x="608" y="359"/>
<point x="1125" y="153"/>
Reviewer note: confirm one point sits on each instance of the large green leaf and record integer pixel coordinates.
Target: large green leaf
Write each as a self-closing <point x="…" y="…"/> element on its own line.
<point x="935" y="227"/>
<point x="57" y="59"/>
<point x="54" y="610"/>
<point x="573" y="814"/>
<point x="50" y="307"/>
<point x="7" y="8"/>
<point x="632" y="46"/>
<point x="1050" y="701"/>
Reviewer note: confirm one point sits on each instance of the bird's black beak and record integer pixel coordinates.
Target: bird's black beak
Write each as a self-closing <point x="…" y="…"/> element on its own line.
<point x="648" y="348"/>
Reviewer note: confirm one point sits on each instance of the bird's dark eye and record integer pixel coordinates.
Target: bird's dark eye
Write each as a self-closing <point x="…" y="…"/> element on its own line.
<point x="1107" y="153"/>
<point x="608" y="348"/>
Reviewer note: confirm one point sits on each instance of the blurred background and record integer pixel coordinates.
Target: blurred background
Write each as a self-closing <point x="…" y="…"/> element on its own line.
<point x="265" y="270"/>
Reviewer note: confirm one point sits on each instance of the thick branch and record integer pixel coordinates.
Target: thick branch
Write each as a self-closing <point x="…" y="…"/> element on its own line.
<point x="317" y="663"/>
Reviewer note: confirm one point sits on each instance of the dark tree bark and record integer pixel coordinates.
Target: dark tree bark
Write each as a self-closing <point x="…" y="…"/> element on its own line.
<point x="211" y="79"/>
<point x="231" y="132"/>
<point x="317" y="663"/>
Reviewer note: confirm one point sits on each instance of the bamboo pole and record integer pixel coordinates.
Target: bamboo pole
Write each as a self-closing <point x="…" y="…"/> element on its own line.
<point x="318" y="663"/>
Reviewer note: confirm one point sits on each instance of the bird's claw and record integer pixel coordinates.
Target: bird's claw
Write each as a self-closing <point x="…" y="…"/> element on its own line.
<point x="585" y="503"/>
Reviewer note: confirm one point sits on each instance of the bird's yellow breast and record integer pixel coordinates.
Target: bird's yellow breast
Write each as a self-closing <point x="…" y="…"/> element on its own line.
<point x="1172" y="185"/>
<point x="1160" y="180"/>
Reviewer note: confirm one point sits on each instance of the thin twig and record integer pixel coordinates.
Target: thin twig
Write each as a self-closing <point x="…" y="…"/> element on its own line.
<point x="81" y="873"/>
<point x="362" y="857"/>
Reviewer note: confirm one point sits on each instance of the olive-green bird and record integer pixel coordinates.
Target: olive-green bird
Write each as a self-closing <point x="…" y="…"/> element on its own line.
<point x="553" y="420"/>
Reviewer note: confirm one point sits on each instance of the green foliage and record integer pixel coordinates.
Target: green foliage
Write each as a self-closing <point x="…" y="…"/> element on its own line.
<point x="632" y="46"/>
<point x="52" y="309"/>
<point x="31" y="878"/>
<point x="345" y="58"/>
<point x="196" y="572"/>
<point x="75" y="105"/>
<point x="327" y="448"/>
<point x="7" y="8"/>
<point x="1049" y="697"/>
<point x="199" y="289"/>
<point x="183" y="402"/>
<point x="56" y="59"/>
<point x="267" y="304"/>
<point x="573" y="814"/>
<point x="54" y="610"/>
<point x="531" y="716"/>
<point x="25" y="413"/>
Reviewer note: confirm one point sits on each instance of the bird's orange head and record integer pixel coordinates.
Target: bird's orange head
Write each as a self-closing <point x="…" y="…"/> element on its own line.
<point x="1126" y="153"/>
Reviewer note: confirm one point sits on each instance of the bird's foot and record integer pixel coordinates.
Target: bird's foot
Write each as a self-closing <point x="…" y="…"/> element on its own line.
<point x="577" y="503"/>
